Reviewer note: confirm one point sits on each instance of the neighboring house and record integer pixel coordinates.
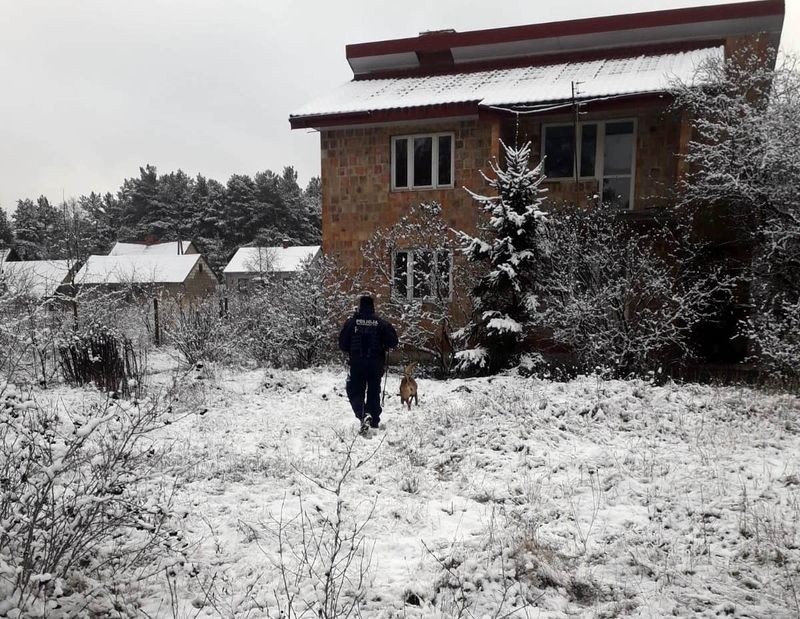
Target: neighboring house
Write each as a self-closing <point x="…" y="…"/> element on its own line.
<point x="184" y="276"/>
<point x="423" y="115"/>
<point x="170" y="248"/>
<point x="36" y="279"/>
<point x="257" y="263"/>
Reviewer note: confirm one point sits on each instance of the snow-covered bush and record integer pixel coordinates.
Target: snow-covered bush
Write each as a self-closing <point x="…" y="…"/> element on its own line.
<point x="29" y="328"/>
<point x="82" y="503"/>
<point x="507" y="248"/>
<point x="102" y="357"/>
<point x="292" y="322"/>
<point x="776" y="332"/>
<point x="425" y="311"/>
<point x="743" y="159"/>
<point x="620" y="294"/>
<point x="199" y="331"/>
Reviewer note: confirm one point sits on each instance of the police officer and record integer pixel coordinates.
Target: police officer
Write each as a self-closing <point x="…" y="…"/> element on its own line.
<point x="366" y="337"/>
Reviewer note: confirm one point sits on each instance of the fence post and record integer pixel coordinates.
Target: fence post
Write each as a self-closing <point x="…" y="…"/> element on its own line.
<point x="157" y="326"/>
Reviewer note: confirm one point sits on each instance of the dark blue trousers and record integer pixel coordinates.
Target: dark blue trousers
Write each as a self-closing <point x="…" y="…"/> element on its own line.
<point x="364" y="388"/>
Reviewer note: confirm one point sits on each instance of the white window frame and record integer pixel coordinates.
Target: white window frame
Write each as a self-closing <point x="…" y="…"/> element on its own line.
<point x="599" y="155"/>
<point x="434" y="161"/>
<point x="410" y="251"/>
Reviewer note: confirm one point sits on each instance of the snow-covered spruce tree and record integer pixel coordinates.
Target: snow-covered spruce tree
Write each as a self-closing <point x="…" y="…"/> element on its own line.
<point x="507" y="250"/>
<point x="744" y="160"/>
<point x="426" y="307"/>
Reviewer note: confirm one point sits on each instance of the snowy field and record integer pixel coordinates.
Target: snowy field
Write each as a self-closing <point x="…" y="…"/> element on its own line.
<point x="504" y="497"/>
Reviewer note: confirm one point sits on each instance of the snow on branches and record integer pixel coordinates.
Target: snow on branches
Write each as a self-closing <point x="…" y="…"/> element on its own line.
<point x="621" y="294"/>
<point x="416" y="258"/>
<point x="744" y="157"/>
<point x="507" y="249"/>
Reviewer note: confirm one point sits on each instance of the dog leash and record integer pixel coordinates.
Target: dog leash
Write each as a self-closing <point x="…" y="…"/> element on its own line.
<point x="385" y="376"/>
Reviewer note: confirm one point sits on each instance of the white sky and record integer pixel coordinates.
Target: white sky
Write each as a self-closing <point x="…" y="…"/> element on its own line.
<point x="92" y="89"/>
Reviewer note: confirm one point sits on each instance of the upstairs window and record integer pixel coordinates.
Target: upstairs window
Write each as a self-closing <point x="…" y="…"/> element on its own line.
<point x="422" y="274"/>
<point x="603" y="150"/>
<point x="422" y="161"/>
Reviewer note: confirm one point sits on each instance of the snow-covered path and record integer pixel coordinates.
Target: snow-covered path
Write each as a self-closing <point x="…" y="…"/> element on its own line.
<point x="494" y="496"/>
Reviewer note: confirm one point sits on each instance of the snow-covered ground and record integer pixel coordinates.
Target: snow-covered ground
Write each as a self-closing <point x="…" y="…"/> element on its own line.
<point x="495" y="497"/>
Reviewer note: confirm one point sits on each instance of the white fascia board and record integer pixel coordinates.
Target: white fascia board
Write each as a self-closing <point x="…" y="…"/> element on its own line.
<point x="387" y="62"/>
<point x="619" y="38"/>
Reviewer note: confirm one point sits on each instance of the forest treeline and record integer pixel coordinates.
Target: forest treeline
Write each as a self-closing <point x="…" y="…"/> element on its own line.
<point x="264" y="209"/>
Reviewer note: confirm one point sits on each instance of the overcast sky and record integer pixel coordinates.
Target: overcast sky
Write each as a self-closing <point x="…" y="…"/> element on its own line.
<point x="92" y="89"/>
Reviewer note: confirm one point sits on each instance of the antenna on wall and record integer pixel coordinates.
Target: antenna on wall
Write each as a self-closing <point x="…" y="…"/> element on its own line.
<point x="576" y="106"/>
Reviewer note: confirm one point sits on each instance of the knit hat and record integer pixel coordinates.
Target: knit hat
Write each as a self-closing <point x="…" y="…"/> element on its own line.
<point x="366" y="304"/>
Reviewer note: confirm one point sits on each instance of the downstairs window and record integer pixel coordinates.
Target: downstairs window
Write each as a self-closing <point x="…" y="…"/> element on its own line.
<point x="421" y="274"/>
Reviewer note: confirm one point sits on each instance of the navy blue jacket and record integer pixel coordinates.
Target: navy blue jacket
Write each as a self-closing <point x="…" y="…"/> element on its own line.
<point x="367" y="336"/>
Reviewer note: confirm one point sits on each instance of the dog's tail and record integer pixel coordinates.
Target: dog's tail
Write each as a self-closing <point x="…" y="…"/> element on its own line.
<point x="409" y="369"/>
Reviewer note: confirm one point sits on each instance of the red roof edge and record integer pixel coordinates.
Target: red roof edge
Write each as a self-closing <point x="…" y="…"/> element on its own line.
<point x="428" y="112"/>
<point x="439" y="41"/>
<point x="458" y="110"/>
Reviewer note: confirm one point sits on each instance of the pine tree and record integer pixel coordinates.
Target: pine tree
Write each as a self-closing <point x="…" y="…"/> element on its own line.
<point x="6" y="232"/>
<point x="505" y="293"/>
<point x="240" y="209"/>
<point x="101" y="232"/>
<point x="28" y="230"/>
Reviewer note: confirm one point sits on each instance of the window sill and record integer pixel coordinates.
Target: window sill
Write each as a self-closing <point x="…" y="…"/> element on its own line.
<point x="570" y="179"/>
<point x="417" y="189"/>
<point x="425" y="300"/>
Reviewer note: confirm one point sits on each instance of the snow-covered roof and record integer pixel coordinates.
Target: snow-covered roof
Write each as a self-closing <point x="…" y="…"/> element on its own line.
<point x="271" y="259"/>
<point x="169" y="248"/>
<point x="647" y="73"/>
<point x="141" y="269"/>
<point x="36" y="278"/>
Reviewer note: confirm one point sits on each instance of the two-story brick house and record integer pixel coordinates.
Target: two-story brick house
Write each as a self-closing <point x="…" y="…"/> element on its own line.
<point x="423" y="115"/>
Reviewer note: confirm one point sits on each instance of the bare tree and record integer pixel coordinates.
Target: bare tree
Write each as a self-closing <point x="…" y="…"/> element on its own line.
<point x="416" y="258"/>
<point x="744" y="158"/>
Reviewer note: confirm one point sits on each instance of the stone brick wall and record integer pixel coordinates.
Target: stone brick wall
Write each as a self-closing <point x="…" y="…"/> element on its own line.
<point x="657" y="144"/>
<point x="356" y="181"/>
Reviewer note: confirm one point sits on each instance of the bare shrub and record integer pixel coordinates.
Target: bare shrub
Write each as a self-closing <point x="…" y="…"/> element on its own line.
<point x="30" y="328"/>
<point x="103" y="358"/>
<point x="199" y="331"/>
<point x="84" y="507"/>
<point x="426" y="311"/>
<point x="622" y="295"/>
<point x="323" y="557"/>
<point x="292" y="322"/>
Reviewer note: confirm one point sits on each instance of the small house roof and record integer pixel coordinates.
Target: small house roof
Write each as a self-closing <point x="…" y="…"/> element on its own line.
<point x="137" y="269"/>
<point x="271" y="259"/>
<point x="168" y="248"/>
<point x="37" y="278"/>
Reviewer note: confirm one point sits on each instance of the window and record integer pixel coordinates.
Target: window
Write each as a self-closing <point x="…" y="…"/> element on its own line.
<point x="422" y="273"/>
<point x="422" y="161"/>
<point x="605" y="151"/>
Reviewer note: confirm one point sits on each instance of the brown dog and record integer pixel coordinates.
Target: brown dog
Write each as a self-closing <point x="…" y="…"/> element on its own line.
<point x="408" y="386"/>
